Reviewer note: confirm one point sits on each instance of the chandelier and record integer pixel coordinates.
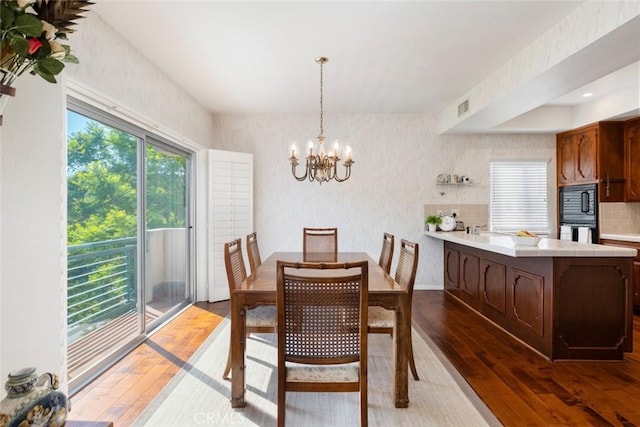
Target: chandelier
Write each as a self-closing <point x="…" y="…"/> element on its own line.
<point x="320" y="165"/>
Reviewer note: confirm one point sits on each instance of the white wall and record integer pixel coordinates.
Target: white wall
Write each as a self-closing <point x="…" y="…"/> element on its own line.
<point x="33" y="187"/>
<point x="33" y="304"/>
<point x="397" y="159"/>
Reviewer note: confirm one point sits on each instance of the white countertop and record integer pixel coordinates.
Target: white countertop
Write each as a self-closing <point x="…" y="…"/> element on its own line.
<point x="631" y="237"/>
<point x="503" y="244"/>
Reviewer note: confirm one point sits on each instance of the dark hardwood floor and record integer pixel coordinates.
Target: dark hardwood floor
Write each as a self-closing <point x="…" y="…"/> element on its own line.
<point x="517" y="384"/>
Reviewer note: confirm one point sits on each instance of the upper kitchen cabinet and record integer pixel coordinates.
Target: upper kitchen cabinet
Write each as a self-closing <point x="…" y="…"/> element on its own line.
<point x="632" y="147"/>
<point x="566" y="158"/>
<point x="593" y="154"/>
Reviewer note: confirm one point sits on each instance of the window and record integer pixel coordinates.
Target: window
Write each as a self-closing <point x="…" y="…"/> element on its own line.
<point x="519" y="198"/>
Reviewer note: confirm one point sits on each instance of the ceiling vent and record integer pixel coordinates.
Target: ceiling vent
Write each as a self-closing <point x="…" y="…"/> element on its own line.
<point x="463" y="107"/>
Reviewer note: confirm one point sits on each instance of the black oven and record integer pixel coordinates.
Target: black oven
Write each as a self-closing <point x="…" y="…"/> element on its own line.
<point x="578" y="207"/>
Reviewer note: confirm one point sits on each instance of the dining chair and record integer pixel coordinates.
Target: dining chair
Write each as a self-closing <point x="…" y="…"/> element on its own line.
<point x="253" y="252"/>
<point x="320" y="244"/>
<point x="261" y="319"/>
<point x="386" y="254"/>
<point x="322" y="341"/>
<point x="381" y="320"/>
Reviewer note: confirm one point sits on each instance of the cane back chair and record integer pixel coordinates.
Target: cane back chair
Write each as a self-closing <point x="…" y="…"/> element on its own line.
<point x="253" y="252"/>
<point x="261" y="319"/>
<point x="320" y="244"/>
<point x="386" y="254"/>
<point x="381" y="320"/>
<point x="322" y="340"/>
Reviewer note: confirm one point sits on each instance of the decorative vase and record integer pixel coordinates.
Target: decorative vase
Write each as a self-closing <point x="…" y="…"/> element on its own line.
<point x="432" y="227"/>
<point x="33" y="400"/>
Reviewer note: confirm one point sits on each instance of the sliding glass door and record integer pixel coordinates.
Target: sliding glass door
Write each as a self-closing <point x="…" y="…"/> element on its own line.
<point x="128" y="237"/>
<point x="167" y="233"/>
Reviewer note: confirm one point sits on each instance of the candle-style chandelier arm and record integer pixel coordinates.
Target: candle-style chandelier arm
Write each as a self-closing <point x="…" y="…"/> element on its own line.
<point x="294" y="163"/>
<point x="347" y="166"/>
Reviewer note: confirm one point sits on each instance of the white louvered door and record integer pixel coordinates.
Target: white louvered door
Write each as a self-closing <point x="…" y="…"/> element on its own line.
<point x="230" y="212"/>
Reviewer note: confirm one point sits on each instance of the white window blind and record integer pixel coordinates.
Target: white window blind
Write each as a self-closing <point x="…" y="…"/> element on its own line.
<point x="519" y="199"/>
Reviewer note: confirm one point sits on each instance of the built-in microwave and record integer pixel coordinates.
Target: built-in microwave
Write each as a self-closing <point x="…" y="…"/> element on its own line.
<point x="578" y="207"/>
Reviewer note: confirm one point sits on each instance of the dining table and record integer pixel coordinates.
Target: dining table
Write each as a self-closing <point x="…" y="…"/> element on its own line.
<point x="260" y="289"/>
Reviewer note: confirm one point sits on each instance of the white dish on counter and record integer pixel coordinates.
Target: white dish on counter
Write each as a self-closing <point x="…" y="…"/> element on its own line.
<point x="526" y="240"/>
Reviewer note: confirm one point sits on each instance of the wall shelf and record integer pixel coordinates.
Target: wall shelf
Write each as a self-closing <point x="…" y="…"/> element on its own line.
<point x="452" y="179"/>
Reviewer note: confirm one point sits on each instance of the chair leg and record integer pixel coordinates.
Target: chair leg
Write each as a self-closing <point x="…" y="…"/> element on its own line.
<point x="282" y="405"/>
<point x="227" y="369"/>
<point x="364" y="406"/>
<point x="412" y="363"/>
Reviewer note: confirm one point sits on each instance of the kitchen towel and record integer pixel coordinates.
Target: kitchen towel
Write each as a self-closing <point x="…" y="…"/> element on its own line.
<point x="565" y="232"/>
<point x="584" y="235"/>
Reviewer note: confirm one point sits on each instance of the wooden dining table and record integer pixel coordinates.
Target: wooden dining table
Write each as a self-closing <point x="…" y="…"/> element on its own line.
<point x="260" y="289"/>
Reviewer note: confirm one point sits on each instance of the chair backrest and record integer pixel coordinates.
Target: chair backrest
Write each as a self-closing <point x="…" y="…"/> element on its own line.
<point x="386" y="254"/>
<point x="323" y="313"/>
<point x="321" y="241"/>
<point x="253" y="252"/>
<point x="234" y="263"/>
<point x="407" y="265"/>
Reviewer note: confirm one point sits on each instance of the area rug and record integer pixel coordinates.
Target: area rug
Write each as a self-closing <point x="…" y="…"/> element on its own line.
<point x="198" y="396"/>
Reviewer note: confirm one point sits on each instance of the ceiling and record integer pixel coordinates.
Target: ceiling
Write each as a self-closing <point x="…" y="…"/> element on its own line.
<point x="384" y="56"/>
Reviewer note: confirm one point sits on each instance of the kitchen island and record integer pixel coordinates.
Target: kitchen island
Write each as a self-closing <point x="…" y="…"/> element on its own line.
<point x="566" y="300"/>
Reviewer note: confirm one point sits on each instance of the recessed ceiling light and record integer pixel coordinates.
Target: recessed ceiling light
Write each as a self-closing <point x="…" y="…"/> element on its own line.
<point x="588" y="94"/>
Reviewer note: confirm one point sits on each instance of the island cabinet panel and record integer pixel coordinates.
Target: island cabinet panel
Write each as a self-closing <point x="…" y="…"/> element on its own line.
<point x="493" y="285"/>
<point x="594" y="312"/>
<point x="564" y="308"/>
<point x="469" y="278"/>
<point x="636" y="262"/>
<point x="452" y="270"/>
<point x="527" y="301"/>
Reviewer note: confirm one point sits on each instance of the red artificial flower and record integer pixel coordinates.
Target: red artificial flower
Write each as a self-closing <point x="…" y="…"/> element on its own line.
<point x="34" y="45"/>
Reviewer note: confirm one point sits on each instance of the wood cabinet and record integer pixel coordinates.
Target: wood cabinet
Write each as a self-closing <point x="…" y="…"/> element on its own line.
<point x="493" y="284"/>
<point x="563" y="307"/>
<point x="461" y="275"/>
<point x="452" y="270"/>
<point x="593" y="154"/>
<point x="469" y="278"/>
<point x="566" y="159"/>
<point x="577" y="152"/>
<point x="632" y="164"/>
<point x="636" y="266"/>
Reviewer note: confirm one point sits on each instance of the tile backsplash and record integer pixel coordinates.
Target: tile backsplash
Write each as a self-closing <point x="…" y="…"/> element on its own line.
<point x="619" y="218"/>
<point x="615" y="218"/>
<point x="470" y="214"/>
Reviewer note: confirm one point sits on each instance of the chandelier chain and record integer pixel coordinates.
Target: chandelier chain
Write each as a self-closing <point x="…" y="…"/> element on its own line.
<point x="321" y="100"/>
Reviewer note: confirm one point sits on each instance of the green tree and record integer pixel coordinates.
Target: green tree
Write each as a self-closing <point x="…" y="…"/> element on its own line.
<point x="166" y="189"/>
<point x="102" y="207"/>
<point x="102" y="185"/>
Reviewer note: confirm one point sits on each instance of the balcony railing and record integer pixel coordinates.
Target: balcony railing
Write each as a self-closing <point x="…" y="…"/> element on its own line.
<point x="100" y="284"/>
<point x="103" y="307"/>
